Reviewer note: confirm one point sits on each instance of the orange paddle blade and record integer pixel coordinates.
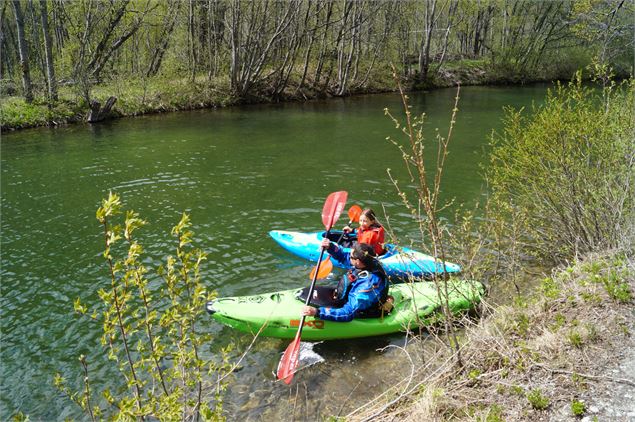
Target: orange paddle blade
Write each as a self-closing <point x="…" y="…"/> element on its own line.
<point x="326" y="266"/>
<point x="354" y="213"/>
<point x="289" y="361"/>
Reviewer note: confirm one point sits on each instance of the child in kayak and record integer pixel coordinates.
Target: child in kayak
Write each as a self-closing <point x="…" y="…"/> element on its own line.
<point x="364" y="289"/>
<point x="370" y="231"/>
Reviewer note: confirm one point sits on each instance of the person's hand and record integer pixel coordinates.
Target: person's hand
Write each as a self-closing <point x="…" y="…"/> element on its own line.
<point x="309" y="311"/>
<point x="326" y="243"/>
<point x="347" y="229"/>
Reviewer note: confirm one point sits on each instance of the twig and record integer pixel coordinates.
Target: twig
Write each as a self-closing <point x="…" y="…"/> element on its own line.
<point x="597" y="377"/>
<point x="346" y="400"/>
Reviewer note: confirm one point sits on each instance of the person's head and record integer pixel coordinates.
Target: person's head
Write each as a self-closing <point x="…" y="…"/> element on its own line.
<point x="363" y="255"/>
<point x="367" y="218"/>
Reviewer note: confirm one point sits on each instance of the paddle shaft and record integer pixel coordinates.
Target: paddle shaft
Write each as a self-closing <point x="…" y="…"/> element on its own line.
<point x="330" y="213"/>
<point x="311" y="288"/>
<point x="343" y="233"/>
<point x="354" y="214"/>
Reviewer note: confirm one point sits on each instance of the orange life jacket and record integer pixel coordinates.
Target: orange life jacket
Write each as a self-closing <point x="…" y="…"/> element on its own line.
<point x="374" y="236"/>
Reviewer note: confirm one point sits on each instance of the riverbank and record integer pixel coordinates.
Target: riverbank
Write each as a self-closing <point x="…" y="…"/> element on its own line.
<point x="565" y="354"/>
<point x="146" y="96"/>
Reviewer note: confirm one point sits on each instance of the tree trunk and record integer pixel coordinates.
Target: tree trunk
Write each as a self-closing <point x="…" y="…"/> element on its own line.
<point x="97" y="113"/>
<point x="6" y="62"/>
<point x="168" y="27"/>
<point x="451" y="15"/>
<point x="320" y="64"/>
<point x="191" y="41"/>
<point x="50" y="67"/>
<point x="234" y="34"/>
<point x="24" y="52"/>
<point x="311" y="38"/>
<point x="96" y="62"/>
<point x="426" y="40"/>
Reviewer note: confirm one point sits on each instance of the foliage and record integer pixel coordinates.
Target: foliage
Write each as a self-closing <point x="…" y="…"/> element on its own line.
<point x="150" y="330"/>
<point x="607" y="28"/>
<point x="578" y="408"/>
<point x="567" y="172"/>
<point x="537" y="399"/>
<point x="275" y="50"/>
<point x="613" y="278"/>
<point x="16" y="113"/>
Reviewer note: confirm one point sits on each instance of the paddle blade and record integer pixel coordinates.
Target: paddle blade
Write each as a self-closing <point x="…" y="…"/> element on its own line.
<point x="333" y="207"/>
<point x="289" y="361"/>
<point x="354" y="213"/>
<point x="325" y="268"/>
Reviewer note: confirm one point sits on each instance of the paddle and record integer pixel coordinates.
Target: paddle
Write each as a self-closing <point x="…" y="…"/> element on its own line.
<point x="331" y="211"/>
<point x="327" y="266"/>
<point x="353" y="214"/>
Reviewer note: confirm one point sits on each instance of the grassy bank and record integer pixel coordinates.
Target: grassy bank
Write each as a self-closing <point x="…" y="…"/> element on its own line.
<point x="561" y="187"/>
<point x="539" y="359"/>
<point x="157" y="95"/>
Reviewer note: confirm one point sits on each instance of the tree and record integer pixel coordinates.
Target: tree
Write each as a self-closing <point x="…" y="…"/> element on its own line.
<point x="24" y="52"/>
<point x="607" y="24"/>
<point x="50" y="67"/>
<point x="255" y="28"/>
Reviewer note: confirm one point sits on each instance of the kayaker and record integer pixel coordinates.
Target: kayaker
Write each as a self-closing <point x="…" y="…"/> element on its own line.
<point x="370" y="231"/>
<point x="364" y="289"/>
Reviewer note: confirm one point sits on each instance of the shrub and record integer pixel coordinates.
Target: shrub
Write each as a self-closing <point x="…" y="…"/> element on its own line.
<point x="537" y="400"/>
<point x="578" y="408"/>
<point x="566" y="172"/>
<point x="149" y="330"/>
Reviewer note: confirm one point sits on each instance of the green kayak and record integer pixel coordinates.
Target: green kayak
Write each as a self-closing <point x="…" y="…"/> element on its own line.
<point x="278" y="313"/>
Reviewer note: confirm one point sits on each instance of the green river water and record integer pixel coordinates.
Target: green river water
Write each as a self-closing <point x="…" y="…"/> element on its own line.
<point x="239" y="172"/>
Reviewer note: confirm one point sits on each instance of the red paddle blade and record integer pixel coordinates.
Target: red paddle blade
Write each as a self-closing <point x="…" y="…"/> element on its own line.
<point x="354" y="213"/>
<point x="289" y="361"/>
<point x="333" y="207"/>
<point x="326" y="266"/>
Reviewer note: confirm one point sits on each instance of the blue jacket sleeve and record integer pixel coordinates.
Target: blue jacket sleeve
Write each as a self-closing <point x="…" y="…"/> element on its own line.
<point x="362" y="296"/>
<point x="339" y="255"/>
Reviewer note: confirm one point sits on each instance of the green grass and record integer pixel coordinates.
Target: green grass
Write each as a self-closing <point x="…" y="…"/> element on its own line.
<point x="16" y="113"/>
<point x="537" y="400"/>
<point x="134" y="97"/>
<point x="578" y="408"/>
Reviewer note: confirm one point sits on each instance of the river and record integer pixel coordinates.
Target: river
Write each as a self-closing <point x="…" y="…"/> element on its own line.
<point x="239" y="172"/>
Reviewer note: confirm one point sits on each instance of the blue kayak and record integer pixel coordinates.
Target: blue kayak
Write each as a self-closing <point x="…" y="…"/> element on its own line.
<point x="397" y="261"/>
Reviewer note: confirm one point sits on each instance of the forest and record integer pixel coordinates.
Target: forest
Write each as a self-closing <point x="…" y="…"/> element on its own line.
<point x="61" y="59"/>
